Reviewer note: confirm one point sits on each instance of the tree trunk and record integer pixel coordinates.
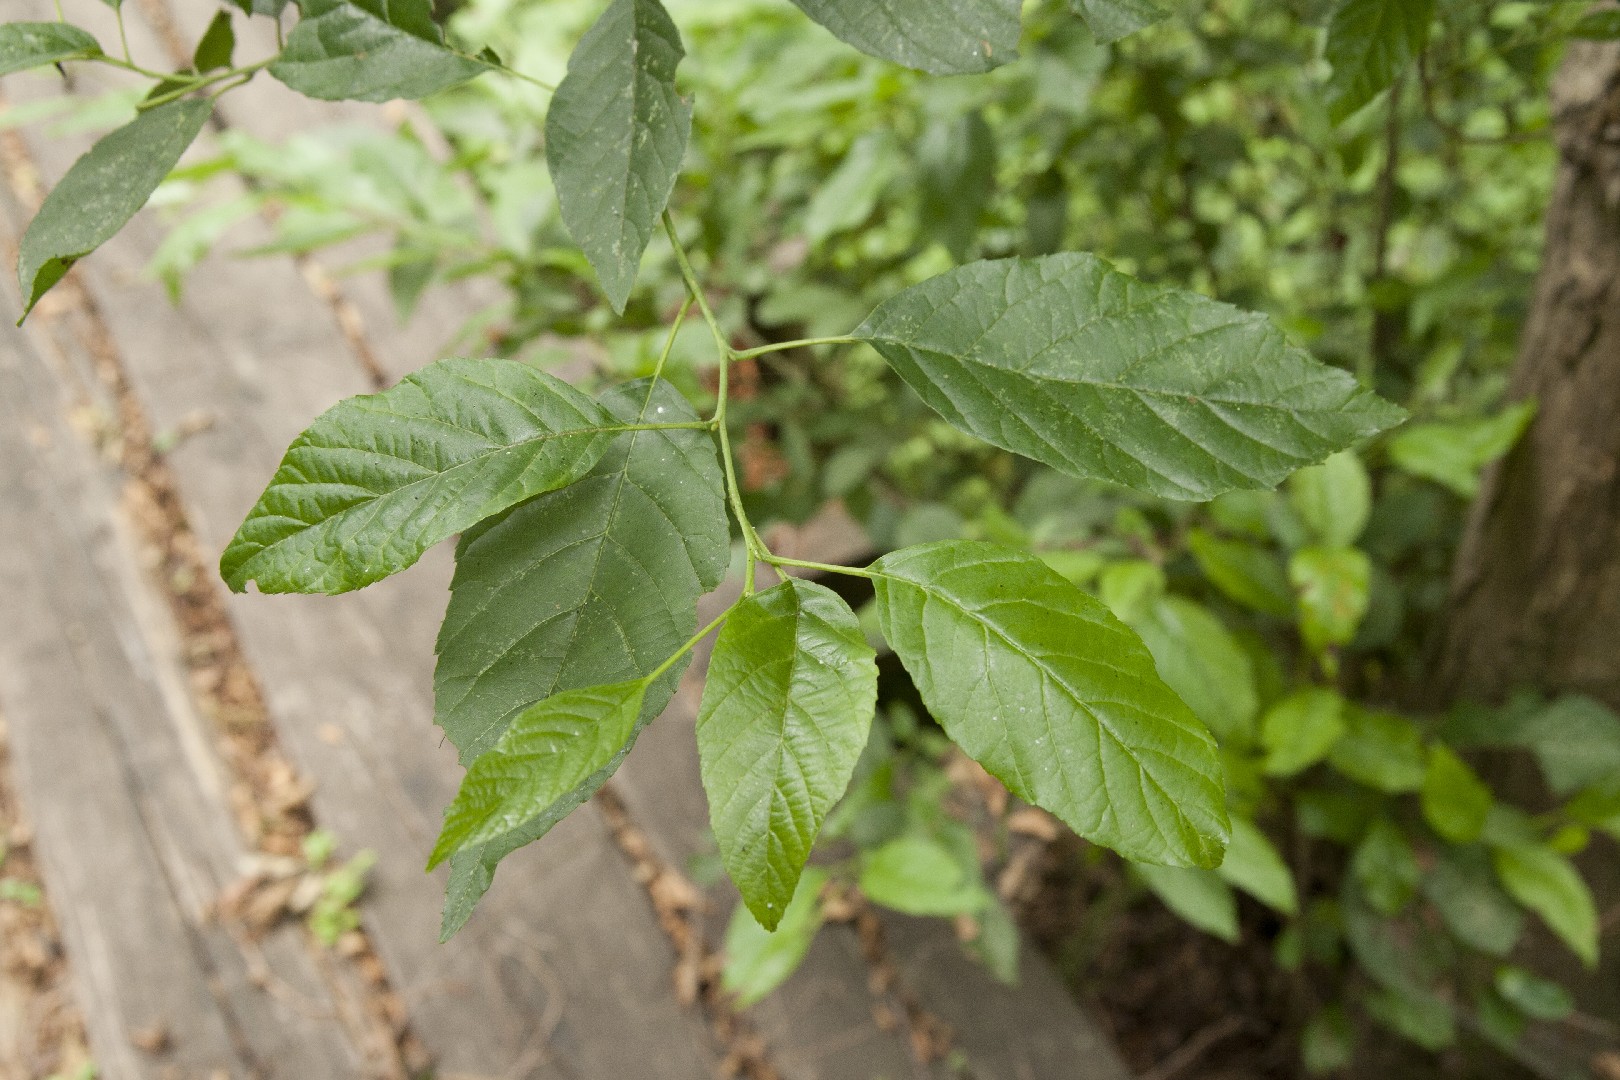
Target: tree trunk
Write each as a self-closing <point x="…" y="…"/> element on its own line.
<point x="1536" y="591"/>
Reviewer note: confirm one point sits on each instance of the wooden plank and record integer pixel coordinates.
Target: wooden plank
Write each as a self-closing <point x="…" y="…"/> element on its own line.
<point x="563" y="972"/>
<point x="132" y="826"/>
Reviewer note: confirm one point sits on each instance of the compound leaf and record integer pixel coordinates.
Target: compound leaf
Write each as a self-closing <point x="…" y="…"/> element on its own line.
<point x="26" y="45"/>
<point x="370" y="50"/>
<point x="377" y="480"/>
<point x="548" y="750"/>
<point x="615" y="136"/>
<point x="942" y="37"/>
<point x="1056" y="697"/>
<point x="786" y="712"/>
<point x="1070" y="362"/>
<point x="593" y="584"/>
<point x="102" y="191"/>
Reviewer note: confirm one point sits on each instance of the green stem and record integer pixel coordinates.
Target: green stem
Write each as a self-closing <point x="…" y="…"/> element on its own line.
<point x="825" y="568"/>
<point x="696" y="290"/>
<point x="243" y="74"/>
<point x="123" y="37"/>
<point x="59" y="16"/>
<point x="125" y="65"/>
<point x="663" y="357"/>
<point x="803" y="343"/>
<point x="690" y="645"/>
<point x="541" y="83"/>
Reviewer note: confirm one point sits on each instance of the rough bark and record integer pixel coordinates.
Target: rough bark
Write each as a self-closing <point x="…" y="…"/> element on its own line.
<point x="1536" y="592"/>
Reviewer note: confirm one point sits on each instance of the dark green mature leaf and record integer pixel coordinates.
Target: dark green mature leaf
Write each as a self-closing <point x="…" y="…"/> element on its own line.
<point x="547" y="752"/>
<point x="1246" y="572"/>
<point x="957" y="179"/>
<point x="1370" y="43"/>
<point x="1381" y="750"/>
<point x="615" y="136"/>
<point x="272" y="8"/>
<point x="1472" y="904"/>
<point x="1070" y="362"/>
<point x="377" y="480"/>
<point x="942" y="37"/>
<point x="593" y="584"/>
<point x="1056" y="697"/>
<point x="1111" y="20"/>
<point x="26" y="45"/>
<point x="102" y="191"/>
<point x="370" y="50"/>
<point x="216" y="46"/>
<point x="787" y="709"/>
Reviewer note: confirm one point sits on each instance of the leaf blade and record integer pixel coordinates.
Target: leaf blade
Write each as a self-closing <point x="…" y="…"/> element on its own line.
<point x="1111" y="20"/>
<point x="378" y="479"/>
<point x="1070" y="362"/>
<point x="615" y="136"/>
<point x="787" y="709"/>
<point x="370" y="50"/>
<point x="1370" y="43"/>
<point x="25" y="45"/>
<point x="941" y="37"/>
<point x="1127" y="765"/>
<point x="102" y="191"/>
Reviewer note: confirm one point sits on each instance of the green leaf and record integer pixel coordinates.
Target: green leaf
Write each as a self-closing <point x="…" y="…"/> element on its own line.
<point x="1072" y="363"/>
<point x="1111" y="20"/>
<point x="543" y="598"/>
<point x="1386" y="868"/>
<point x="942" y="37"/>
<point x="1333" y="499"/>
<point x="1253" y="865"/>
<point x="919" y="876"/>
<point x="548" y="751"/>
<point x="102" y="191"/>
<point x="1370" y="43"/>
<point x="1455" y="801"/>
<point x="1414" y="1013"/>
<point x="377" y="480"/>
<point x="615" y="136"/>
<point x="272" y="8"/>
<point x="1548" y="884"/>
<point x="1054" y="696"/>
<point x="1130" y="588"/>
<point x="217" y="45"/>
<point x="1576" y="740"/>
<point x="1198" y="896"/>
<point x="25" y="45"/>
<point x="1452" y="454"/>
<point x="758" y="960"/>
<point x="956" y="162"/>
<point x="787" y="709"/>
<point x="1381" y="750"/>
<point x="1329" y="1042"/>
<point x="370" y="50"/>
<point x="1537" y="998"/>
<point x="1465" y="892"/>
<point x="1332" y="588"/>
<point x="1246" y="572"/>
<point x="1598" y="26"/>
<point x="1206" y="667"/>
<point x="1301" y="730"/>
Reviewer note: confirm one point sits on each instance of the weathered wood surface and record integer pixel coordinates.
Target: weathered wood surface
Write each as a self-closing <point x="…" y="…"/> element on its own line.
<point x="126" y="796"/>
<point x="562" y="972"/>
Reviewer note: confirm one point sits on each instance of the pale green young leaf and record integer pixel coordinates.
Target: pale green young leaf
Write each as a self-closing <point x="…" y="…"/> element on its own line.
<point x="919" y="876"/>
<point x="615" y="136"/>
<point x="1333" y="499"/>
<point x="1070" y="362"/>
<point x="376" y="480"/>
<point x="547" y="751"/>
<point x="370" y="50"/>
<point x="1131" y="587"/>
<point x="1198" y="896"/>
<point x="1370" y="44"/>
<point x="1111" y="20"/>
<point x="1331" y="585"/>
<point x="787" y="709"/>
<point x="1246" y="572"/>
<point x="942" y="37"/>
<point x="542" y="598"/>
<point x="759" y="960"/>
<point x="1056" y="697"/>
<point x="102" y="191"/>
<point x="1301" y="730"/>
<point x="1381" y="750"/>
<point x="1200" y="660"/>
<point x="1452" y="453"/>
<point x="26" y="45"/>
<point x="1455" y="801"/>
<point x="1548" y="884"/>
<point x="1253" y="865"/>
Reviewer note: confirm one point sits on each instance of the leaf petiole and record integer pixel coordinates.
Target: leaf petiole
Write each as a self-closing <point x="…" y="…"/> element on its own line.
<point x="825" y="568"/>
<point x="692" y="643"/>
<point x="786" y="346"/>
